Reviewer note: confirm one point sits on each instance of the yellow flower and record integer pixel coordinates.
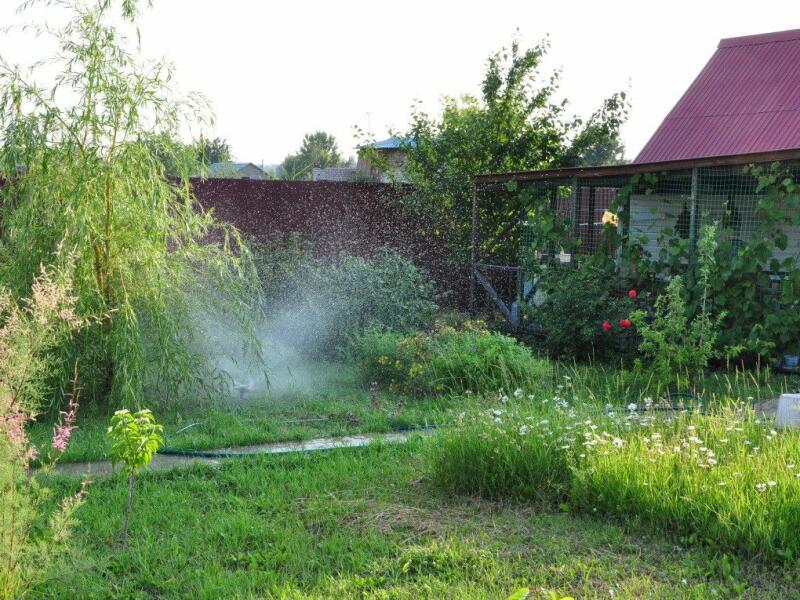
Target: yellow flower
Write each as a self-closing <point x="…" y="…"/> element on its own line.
<point x="609" y="218"/>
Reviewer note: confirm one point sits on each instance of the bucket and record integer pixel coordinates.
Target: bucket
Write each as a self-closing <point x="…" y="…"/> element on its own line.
<point x="789" y="410"/>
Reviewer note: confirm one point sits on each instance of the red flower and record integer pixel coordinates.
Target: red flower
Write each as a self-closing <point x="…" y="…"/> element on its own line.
<point x="625" y="323"/>
<point x="606" y="325"/>
<point x="632" y="294"/>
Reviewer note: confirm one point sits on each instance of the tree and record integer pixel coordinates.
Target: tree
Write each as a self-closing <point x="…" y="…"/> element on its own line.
<point x="318" y="150"/>
<point x="212" y="151"/>
<point x="517" y="124"/>
<point x="193" y="158"/>
<point x="146" y="261"/>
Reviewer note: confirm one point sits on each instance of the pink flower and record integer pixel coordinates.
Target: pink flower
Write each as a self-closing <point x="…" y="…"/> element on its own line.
<point x="61" y="436"/>
<point x="63" y="431"/>
<point x="625" y="323"/>
<point x="606" y="325"/>
<point x="632" y="294"/>
<point x="14" y="427"/>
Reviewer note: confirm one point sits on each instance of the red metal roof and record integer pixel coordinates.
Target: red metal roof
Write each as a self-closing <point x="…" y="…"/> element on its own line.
<point x="745" y="100"/>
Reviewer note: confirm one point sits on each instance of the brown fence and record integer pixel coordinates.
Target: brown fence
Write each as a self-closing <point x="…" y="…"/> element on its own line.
<point x="358" y="218"/>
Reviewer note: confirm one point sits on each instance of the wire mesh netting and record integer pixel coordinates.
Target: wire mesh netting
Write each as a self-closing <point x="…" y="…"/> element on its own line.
<point x="661" y="213"/>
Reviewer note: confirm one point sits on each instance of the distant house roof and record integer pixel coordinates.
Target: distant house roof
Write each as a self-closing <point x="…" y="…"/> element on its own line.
<point x="745" y="100"/>
<point x="392" y="143"/>
<point x="225" y="168"/>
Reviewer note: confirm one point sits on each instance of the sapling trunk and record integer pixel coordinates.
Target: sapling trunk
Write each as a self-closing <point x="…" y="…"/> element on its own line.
<point x="128" y="510"/>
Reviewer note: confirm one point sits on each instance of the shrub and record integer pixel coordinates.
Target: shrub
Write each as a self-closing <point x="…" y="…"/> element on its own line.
<point x="679" y="345"/>
<point x="135" y="438"/>
<point x="577" y="300"/>
<point x="28" y="330"/>
<point x="446" y="360"/>
<point x="283" y="264"/>
<point x="320" y="305"/>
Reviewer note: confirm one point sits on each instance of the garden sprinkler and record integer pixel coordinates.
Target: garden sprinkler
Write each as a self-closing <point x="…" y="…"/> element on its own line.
<point x="375" y="393"/>
<point x="242" y="388"/>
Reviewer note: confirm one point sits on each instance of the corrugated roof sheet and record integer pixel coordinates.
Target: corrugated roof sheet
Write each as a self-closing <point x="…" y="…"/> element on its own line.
<point x="746" y="99"/>
<point x="392" y="143"/>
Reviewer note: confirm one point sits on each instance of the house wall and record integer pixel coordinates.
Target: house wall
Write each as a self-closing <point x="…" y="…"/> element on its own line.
<point x="652" y="214"/>
<point x="250" y="172"/>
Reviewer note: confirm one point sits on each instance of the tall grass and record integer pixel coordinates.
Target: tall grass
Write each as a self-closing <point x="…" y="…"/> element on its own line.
<point x="725" y="478"/>
<point x="602" y="384"/>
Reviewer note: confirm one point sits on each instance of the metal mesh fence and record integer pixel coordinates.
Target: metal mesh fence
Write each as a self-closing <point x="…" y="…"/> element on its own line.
<point x="663" y="213"/>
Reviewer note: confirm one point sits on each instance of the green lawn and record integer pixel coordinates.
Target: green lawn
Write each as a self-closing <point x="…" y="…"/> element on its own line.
<point x="337" y="406"/>
<point x="366" y="523"/>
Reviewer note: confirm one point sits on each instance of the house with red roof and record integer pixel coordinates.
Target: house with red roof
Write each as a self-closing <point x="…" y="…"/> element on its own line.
<point x="703" y="165"/>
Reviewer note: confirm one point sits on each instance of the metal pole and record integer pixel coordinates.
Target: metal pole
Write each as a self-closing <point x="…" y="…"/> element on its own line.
<point x="693" y="216"/>
<point x="574" y="197"/>
<point x="474" y="248"/>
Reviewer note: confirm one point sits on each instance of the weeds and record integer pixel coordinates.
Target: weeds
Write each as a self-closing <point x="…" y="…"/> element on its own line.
<point x="724" y="478"/>
<point x="447" y="360"/>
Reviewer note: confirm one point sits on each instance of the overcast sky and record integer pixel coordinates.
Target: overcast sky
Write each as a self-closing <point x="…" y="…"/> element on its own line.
<point x="276" y="70"/>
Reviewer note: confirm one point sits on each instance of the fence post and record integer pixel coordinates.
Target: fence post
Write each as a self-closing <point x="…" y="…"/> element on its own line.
<point x="474" y="248"/>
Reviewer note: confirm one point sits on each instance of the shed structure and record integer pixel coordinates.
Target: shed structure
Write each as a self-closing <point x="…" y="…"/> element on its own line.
<point x="739" y="120"/>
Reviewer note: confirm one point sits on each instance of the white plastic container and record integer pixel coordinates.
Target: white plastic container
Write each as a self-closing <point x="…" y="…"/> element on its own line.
<point x="789" y="410"/>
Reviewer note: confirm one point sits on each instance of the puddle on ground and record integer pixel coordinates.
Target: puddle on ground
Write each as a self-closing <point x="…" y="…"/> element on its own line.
<point x="169" y="461"/>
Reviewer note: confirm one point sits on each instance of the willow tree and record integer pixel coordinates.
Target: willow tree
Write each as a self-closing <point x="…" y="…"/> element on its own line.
<point x="85" y="189"/>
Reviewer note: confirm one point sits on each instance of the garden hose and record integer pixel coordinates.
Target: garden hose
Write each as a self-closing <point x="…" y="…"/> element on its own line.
<point x="167" y="451"/>
<point x="675" y="405"/>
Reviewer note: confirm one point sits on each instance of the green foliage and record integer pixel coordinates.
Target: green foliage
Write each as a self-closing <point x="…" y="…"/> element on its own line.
<point x="319" y="150"/>
<point x="135" y="438"/>
<point x="725" y="480"/>
<point x="210" y="151"/>
<point x="760" y="313"/>
<point x="178" y="158"/>
<point x="284" y="265"/>
<point x="678" y="345"/>
<point x="517" y="124"/>
<point x="322" y="304"/>
<point x="446" y="360"/>
<point x="578" y="298"/>
<point x="93" y="199"/>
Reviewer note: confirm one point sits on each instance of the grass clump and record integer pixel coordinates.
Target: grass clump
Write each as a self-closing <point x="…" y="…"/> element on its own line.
<point x="447" y="360"/>
<point x="494" y="455"/>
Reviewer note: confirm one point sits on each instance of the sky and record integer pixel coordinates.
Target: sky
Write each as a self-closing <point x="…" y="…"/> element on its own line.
<point x="274" y="71"/>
